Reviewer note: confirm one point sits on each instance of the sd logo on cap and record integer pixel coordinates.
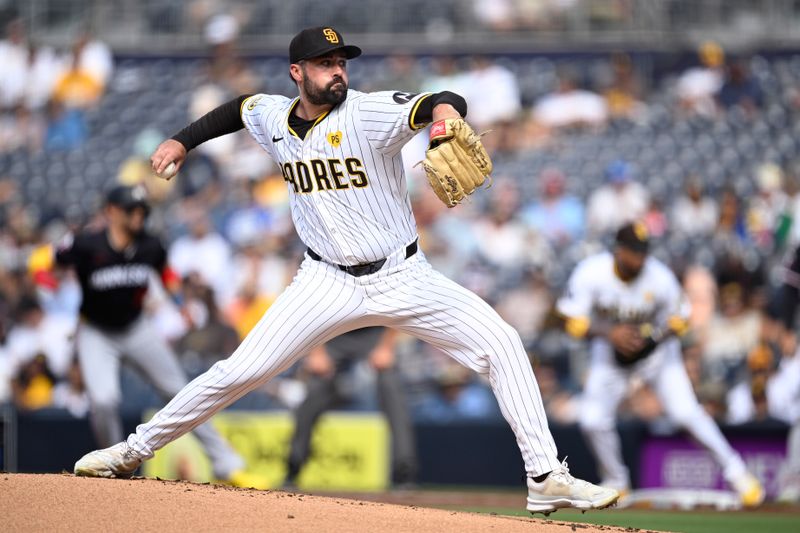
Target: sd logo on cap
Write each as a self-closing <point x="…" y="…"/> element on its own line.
<point x="319" y="41"/>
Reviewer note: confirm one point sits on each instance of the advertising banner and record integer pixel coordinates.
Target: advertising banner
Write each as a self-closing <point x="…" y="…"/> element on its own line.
<point x="678" y="462"/>
<point x="350" y="451"/>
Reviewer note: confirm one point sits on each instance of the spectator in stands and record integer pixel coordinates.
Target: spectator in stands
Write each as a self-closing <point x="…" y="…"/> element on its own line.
<point x="21" y="129"/>
<point x="765" y="208"/>
<point x="399" y="72"/>
<point x="497" y="15"/>
<point x="571" y="107"/>
<point x="787" y="234"/>
<point x="486" y="77"/>
<point x="458" y="396"/>
<point x="446" y="72"/>
<point x="732" y="333"/>
<point x="209" y="337"/>
<point x="527" y="304"/>
<point x="698" y="86"/>
<point x="204" y="252"/>
<point x="258" y="278"/>
<point x="37" y="333"/>
<point x="66" y="128"/>
<point x="619" y="201"/>
<point x="447" y="236"/>
<point x="77" y="88"/>
<point x="33" y="384"/>
<point x="503" y="239"/>
<point x="623" y="94"/>
<point x="694" y="214"/>
<point x="44" y="69"/>
<point x="740" y="89"/>
<point x="258" y="264"/>
<point x="227" y="69"/>
<point x="731" y="234"/>
<point x="769" y="389"/>
<point x="557" y="215"/>
<point x="561" y="404"/>
<point x="94" y="58"/>
<point x="655" y="219"/>
<point x="700" y="289"/>
<point x="13" y="65"/>
<point x="70" y="394"/>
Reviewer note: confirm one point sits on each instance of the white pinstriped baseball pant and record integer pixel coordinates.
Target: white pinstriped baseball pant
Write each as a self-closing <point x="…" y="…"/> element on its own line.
<point x="323" y="302"/>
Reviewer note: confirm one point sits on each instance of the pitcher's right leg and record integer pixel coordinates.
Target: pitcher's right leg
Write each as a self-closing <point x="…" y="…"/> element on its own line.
<point x="321" y="302"/>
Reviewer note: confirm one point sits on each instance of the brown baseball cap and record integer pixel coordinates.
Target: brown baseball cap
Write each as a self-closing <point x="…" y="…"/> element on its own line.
<point x="319" y="41"/>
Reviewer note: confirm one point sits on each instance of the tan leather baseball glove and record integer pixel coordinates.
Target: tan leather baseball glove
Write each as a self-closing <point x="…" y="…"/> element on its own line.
<point x="456" y="162"/>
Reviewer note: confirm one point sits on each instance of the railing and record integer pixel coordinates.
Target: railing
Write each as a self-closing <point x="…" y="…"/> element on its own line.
<point x="415" y="25"/>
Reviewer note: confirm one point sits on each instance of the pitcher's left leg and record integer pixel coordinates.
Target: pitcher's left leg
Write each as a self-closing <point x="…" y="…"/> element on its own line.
<point x="427" y="305"/>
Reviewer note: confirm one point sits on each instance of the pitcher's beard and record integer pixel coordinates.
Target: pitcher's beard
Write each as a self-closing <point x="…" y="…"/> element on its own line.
<point x="327" y="95"/>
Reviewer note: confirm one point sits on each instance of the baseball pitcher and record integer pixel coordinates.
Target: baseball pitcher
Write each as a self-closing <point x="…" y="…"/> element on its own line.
<point x="339" y="151"/>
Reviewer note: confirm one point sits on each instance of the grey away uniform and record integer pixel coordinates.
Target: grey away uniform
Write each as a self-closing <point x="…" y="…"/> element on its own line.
<point x="113" y="330"/>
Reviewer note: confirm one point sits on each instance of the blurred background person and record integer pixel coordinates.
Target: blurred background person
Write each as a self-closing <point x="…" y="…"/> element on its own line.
<point x="619" y="201"/>
<point x="694" y="214"/>
<point x="327" y="367"/>
<point x="555" y="214"/>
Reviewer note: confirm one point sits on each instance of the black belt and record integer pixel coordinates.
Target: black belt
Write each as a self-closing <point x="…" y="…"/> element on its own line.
<point x="364" y="268"/>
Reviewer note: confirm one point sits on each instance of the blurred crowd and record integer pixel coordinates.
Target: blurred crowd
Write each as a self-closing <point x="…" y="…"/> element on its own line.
<point x="226" y="223"/>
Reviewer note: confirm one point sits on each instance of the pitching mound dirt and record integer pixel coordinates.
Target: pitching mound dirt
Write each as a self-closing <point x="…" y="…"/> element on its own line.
<point x="31" y="502"/>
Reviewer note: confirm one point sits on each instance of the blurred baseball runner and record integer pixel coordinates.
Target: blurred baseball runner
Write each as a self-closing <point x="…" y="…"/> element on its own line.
<point x="115" y="267"/>
<point x="339" y="151"/>
<point x="632" y="309"/>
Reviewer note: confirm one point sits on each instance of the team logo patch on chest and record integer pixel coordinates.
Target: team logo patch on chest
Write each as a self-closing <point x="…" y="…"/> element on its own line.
<point x="335" y="138"/>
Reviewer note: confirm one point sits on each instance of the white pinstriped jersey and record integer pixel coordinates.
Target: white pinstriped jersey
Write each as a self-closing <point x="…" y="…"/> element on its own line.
<point x="594" y="291"/>
<point x="348" y="194"/>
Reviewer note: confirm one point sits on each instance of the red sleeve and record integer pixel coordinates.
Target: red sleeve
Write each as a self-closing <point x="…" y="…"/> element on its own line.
<point x="170" y="279"/>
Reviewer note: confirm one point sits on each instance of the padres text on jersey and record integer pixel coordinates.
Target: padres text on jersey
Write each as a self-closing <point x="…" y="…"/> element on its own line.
<point x="348" y="195"/>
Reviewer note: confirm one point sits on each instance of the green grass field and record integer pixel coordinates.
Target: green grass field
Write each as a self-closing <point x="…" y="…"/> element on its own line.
<point x="683" y="521"/>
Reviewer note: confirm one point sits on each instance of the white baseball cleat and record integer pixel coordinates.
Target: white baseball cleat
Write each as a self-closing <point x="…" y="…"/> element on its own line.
<point x="560" y="490"/>
<point x="117" y="461"/>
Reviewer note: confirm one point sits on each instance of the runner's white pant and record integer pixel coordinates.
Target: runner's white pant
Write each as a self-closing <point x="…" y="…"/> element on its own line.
<point x="323" y="302"/>
<point x="607" y="385"/>
<point x="101" y="353"/>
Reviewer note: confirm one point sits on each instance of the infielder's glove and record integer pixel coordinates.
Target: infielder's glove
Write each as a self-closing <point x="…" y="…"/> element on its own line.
<point x="456" y="162"/>
<point x="629" y="359"/>
<point x="651" y="339"/>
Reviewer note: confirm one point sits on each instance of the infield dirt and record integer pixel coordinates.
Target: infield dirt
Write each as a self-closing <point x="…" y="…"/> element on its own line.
<point x="63" y="502"/>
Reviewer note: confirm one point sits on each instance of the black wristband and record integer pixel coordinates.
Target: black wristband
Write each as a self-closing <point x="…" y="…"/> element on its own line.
<point x="455" y="100"/>
<point x="216" y="123"/>
<point x="424" y="112"/>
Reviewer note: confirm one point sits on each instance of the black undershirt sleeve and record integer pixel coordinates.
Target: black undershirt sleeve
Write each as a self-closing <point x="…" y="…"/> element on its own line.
<point x="216" y="123"/>
<point x="424" y="112"/>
